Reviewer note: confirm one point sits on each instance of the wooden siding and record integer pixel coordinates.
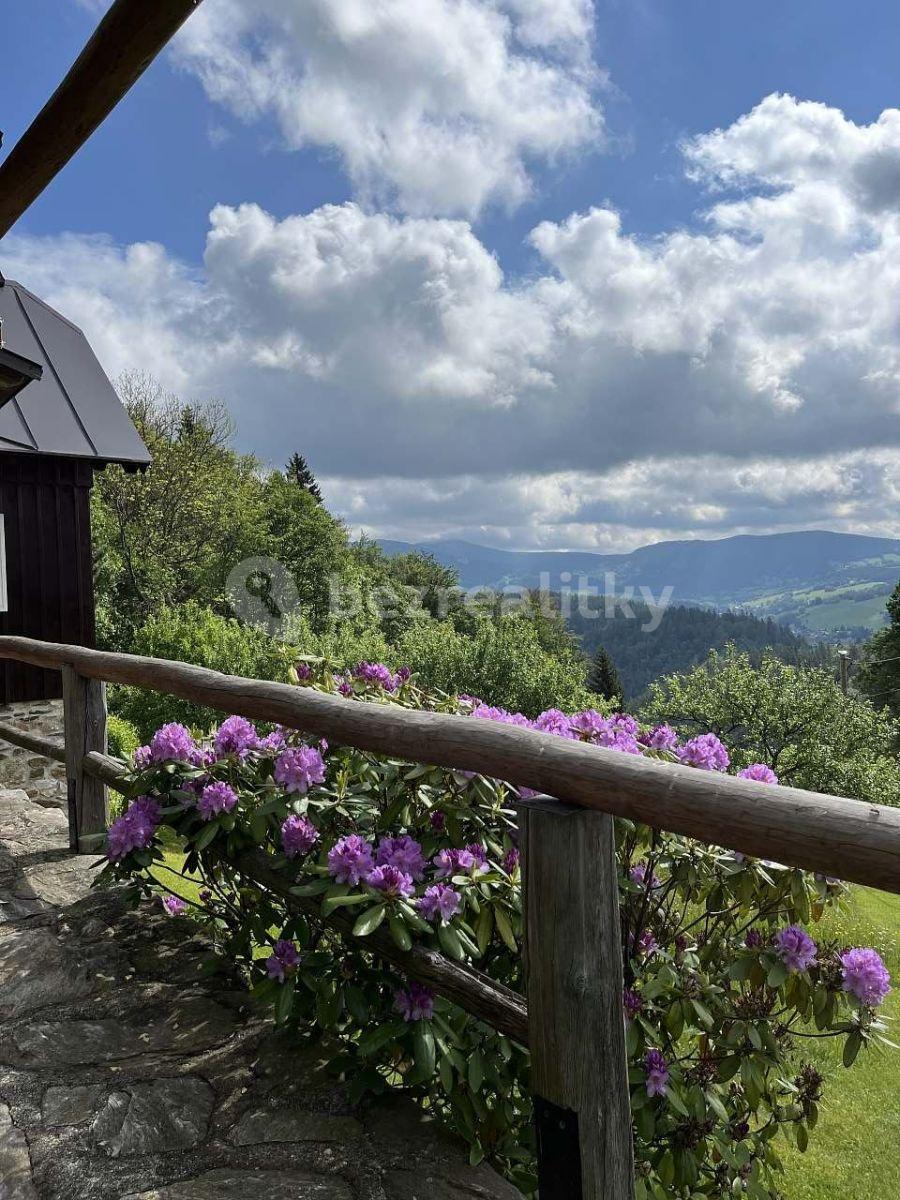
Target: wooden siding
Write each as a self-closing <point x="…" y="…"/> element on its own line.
<point x="46" y="505"/>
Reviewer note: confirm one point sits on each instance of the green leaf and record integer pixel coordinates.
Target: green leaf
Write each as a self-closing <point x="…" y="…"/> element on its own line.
<point x="206" y="835"/>
<point x="400" y="933"/>
<point x="369" y="921"/>
<point x="330" y="903"/>
<point x="284" y="1001"/>
<point x="778" y="973"/>
<point x="315" y="888"/>
<point x="476" y="1071"/>
<point x="484" y="928"/>
<point x="423" y="1048"/>
<point x="450" y="943"/>
<point x="852" y="1047"/>
<point x="505" y="929"/>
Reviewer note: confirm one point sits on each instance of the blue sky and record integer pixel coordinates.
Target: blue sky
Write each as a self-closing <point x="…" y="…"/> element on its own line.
<point x="155" y="169"/>
<point x="192" y="136"/>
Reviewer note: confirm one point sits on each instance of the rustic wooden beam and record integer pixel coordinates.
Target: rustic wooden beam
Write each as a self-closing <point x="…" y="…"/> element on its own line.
<point x="849" y="839"/>
<point x="32" y="741"/>
<point x="573" y="972"/>
<point x="84" y="710"/>
<point x="124" y="44"/>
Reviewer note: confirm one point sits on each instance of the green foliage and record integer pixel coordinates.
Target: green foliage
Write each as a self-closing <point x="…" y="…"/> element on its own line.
<point x="795" y="719"/>
<point x="123" y="736"/>
<point x="879" y="673"/>
<point x="603" y="677"/>
<point x="173" y="532"/>
<point x="502" y="661"/>
<point x="298" y="471"/>
<point x="190" y="633"/>
<point x="707" y="988"/>
<point x="299" y="533"/>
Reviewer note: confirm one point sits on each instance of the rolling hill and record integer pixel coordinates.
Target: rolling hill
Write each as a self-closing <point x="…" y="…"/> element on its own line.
<point x="824" y="584"/>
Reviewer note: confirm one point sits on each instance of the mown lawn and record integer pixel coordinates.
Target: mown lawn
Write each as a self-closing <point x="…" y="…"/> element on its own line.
<point x="854" y="1153"/>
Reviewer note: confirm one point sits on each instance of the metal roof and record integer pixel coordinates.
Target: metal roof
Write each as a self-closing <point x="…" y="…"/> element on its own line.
<point x="72" y="410"/>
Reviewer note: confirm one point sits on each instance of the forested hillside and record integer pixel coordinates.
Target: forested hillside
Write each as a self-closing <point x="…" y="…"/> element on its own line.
<point x="683" y="638"/>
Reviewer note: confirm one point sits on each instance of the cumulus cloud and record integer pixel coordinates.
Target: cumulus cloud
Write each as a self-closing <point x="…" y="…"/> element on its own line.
<point x="745" y="374"/>
<point x="439" y="106"/>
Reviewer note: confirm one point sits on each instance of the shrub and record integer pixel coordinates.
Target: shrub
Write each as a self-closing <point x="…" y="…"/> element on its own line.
<point x="124" y="738"/>
<point x="795" y="719"/>
<point x="502" y="661"/>
<point x="193" y="634"/>
<point x="723" y="980"/>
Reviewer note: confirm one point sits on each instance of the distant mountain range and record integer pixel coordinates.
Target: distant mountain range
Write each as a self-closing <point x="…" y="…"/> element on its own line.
<point x="820" y="583"/>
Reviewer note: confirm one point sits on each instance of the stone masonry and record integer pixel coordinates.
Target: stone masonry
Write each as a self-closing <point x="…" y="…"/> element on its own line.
<point x="126" y="1074"/>
<point x="43" y="779"/>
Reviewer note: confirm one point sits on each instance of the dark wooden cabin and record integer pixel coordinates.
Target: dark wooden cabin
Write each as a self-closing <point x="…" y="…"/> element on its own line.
<point x="60" y="420"/>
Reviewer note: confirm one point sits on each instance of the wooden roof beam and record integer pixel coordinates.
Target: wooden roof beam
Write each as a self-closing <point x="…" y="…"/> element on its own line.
<point x="124" y="44"/>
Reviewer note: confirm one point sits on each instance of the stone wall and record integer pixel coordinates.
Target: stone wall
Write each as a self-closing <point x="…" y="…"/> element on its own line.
<point x="43" y="779"/>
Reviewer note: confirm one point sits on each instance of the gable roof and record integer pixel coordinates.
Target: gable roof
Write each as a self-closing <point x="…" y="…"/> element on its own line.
<point x="72" y="410"/>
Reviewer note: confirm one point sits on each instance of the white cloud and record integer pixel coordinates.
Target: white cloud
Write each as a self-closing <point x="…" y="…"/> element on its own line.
<point x="440" y="106"/>
<point x="743" y="376"/>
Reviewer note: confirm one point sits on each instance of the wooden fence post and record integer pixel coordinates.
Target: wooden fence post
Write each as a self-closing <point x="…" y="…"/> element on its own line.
<point x="84" y="711"/>
<point x="573" y="969"/>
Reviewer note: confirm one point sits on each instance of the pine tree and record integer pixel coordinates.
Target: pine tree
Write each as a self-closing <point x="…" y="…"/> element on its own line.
<point x="298" y="471"/>
<point x="603" y="677"/>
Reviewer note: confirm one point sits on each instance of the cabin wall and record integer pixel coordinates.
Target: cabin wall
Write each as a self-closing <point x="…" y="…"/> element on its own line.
<point x="45" y="503"/>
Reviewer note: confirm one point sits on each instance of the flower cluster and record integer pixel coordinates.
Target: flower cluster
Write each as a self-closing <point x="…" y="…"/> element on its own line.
<point x="134" y="830"/>
<point x="722" y="972"/>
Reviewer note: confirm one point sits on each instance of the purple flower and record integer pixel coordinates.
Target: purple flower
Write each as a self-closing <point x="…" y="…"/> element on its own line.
<point x="304" y="670"/>
<point x="706" y="752"/>
<point x="632" y="1003"/>
<point x="626" y="723"/>
<point x="142" y="758"/>
<point x="377" y="675"/>
<point x="470" y="860"/>
<point x="511" y="861"/>
<point x="345" y="687"/>
<point x="638" y="875"/>
<point x="753" y="939"/>
<point x="173" y="742"/>
<point x="298" y="836"/>
<point x="616" y="736"/>
<point x="272" y="741"/>
<point x="134" y="830"/>
<point x="404" y="853"/>
<point x="404" y="674"/>
<point x="283" y="960"/>
<point x="416" y="1003"/>
<point x="204" y="895"/>
<point x="657" y="1073"/>
<point x="554" y="721"/>
<point x="216" y="798"/>
<point x="391" y="881"/>
<point x="441" y="902"/>
<point x="760" y="772"/>
<point x="174" y="905"/>
<point x="236" y="735"/>
<point x="795" y="948"/>
<point x="350" y="859"/>
<point x="589" y="724"/>
<point x="662" y="737"/>
<point x="437" y="819"/>
<point x="866" y="976"/>
<point x="297" y="769"/>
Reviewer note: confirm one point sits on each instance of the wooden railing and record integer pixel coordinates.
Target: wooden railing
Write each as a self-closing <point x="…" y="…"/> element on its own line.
<point x="572" y="1023"/>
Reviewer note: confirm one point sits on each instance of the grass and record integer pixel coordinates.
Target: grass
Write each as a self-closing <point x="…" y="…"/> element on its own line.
<point x="853" y="1152"/>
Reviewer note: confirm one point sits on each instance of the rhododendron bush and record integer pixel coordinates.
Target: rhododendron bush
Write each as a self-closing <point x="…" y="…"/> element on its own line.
<point x="725" y="975"/>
